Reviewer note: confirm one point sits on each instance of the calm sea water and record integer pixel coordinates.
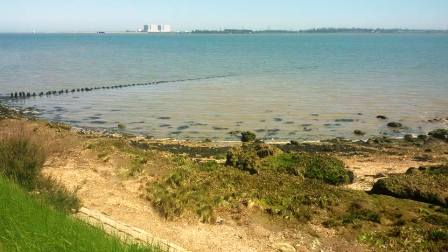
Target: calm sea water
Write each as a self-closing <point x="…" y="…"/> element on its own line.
<point x="282" y="86"/>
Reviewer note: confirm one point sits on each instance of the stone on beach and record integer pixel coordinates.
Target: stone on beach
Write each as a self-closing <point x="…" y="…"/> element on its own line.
<point x="395" y="125"/>
<point x="359" y="132"/>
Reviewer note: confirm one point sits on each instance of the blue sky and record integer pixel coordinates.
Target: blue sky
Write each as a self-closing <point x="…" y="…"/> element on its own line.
<point x="118" y="15"/>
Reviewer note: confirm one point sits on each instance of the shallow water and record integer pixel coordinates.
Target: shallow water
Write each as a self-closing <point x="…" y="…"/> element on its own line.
<point x="281" y="86"/>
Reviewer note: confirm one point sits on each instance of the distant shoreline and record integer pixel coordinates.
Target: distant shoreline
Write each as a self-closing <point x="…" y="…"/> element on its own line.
<point x="252" y="32"/>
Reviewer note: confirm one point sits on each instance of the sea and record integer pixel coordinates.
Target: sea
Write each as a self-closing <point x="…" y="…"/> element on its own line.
<point x="210" y="86"/>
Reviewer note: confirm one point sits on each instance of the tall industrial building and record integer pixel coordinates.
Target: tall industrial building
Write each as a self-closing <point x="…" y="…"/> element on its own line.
<point x="153" y="28"/>
<point x="166" y="28"/>
<point x="156" y="28"/>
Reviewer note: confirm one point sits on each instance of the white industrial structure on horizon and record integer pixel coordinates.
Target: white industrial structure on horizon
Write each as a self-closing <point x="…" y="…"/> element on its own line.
<point x="156" y="28"/>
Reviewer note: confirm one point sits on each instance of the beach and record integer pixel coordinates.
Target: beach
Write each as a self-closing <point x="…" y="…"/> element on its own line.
<point x="112" y="173"/>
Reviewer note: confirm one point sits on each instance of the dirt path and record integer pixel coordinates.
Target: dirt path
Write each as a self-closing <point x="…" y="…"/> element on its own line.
<point x="368" y="170"/>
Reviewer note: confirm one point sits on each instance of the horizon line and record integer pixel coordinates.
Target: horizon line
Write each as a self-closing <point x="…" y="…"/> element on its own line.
<point x="234" y="29"/>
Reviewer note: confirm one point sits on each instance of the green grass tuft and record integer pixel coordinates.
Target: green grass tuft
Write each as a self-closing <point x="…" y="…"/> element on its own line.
<point x="21" y="160"/>
<point x="57" y="196"/>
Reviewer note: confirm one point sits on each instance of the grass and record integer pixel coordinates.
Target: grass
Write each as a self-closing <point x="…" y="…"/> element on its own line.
<point x="33" y="209"/>
<point x="207" y="190"/>
<point x="56" y="195"/>
<point x="288" y="185"/>
<point x="27" y="224"/>
<point x="21" y="160"/>
<point x="201" y="188"/>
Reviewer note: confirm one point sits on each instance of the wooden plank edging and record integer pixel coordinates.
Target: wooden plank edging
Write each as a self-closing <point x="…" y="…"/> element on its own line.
<point x="125" y="231"/>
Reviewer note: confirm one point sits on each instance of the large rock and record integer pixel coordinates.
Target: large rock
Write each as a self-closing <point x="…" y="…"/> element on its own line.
<point x="248" y="136"/>
<point x="426" y="184"/>
<point x="359" y="132"/>
<point x="394" y="125"/>
<point x="247" y="156"/>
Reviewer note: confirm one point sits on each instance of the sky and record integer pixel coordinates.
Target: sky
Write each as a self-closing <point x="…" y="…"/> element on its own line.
<point x="120" y="15"/>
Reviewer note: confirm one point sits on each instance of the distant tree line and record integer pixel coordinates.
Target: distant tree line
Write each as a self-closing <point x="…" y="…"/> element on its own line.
<point x="316" y="30"/>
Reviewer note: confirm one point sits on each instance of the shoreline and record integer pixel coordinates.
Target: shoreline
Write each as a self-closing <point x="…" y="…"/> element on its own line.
<point x="114" y="132"/>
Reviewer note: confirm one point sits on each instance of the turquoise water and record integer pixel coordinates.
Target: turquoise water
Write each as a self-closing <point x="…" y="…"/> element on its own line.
<point x="283" y="86"/>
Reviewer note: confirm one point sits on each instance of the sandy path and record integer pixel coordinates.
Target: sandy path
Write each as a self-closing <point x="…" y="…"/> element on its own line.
<point x="370" y="169"/>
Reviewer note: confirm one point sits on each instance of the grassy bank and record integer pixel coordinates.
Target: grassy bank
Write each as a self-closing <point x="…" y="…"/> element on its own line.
<point x="34" y="209"/>
<point x="27" y="224"/>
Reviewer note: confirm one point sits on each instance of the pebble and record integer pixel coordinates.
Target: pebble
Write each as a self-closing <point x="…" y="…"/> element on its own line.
<point x="219" y="220"/>
<point x="283" y="247"/>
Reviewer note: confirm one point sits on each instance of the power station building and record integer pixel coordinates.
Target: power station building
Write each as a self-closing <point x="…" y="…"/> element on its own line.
<point x="156" y="28"/>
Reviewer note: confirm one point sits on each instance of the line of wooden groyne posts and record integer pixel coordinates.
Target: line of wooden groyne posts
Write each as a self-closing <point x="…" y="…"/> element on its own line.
<point x="24" y="95"/>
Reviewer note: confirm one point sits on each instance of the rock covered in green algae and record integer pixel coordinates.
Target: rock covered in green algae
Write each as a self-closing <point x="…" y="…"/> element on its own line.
<point x="248" y="136"/>
<point x="312" y="166"/>
<point x="259" y="157"/>
<point x="247" y="156"/>
<point x="425" y="184"/>
<point x="440" y="134"/>
<point x="395" y="125"/>
<point x="359" y="132"/>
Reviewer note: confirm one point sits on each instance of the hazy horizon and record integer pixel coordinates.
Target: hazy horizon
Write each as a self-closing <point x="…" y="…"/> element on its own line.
<point x="88" y="16"/>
